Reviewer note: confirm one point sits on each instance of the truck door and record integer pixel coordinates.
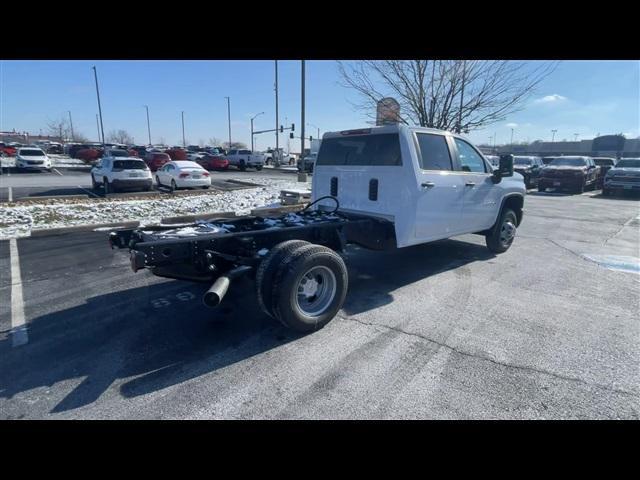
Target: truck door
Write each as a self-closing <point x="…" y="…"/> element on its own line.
<point x="440" y="189"/>
<point x="480" y="193"/>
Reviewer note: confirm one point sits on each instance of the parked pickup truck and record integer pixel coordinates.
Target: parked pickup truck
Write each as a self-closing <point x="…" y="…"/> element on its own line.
<point x="381" y="188"/>
<point x="244" y="159"/>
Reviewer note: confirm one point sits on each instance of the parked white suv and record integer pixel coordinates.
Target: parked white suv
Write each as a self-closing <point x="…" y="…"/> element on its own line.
<point x="113" y="173"/>
<point x="32" y="158"/>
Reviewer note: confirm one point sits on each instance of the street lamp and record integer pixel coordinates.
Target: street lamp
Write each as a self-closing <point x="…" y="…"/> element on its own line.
<point x="252" y="128"/>
<point x="314" y="126"/>
<point x="184" y="143"/>
<point x="576" y="137"/>
<point x="229" y="118"/>
<point x="148" y="125"/>
<point x="95" y="75"/>
<point x="553" y="135"/>
<point x="512" y="138"/>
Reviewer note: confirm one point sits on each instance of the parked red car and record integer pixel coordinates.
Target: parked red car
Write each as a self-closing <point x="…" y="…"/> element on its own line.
<point x="8" y="150"/>
<point x="89" y="155"/>
<point x="213" y="162"/>
<point x="177" y="154"/>
<point x="156" y="160"/>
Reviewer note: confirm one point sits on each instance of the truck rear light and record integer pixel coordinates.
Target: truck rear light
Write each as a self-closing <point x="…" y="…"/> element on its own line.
<point x="361" y="131"/>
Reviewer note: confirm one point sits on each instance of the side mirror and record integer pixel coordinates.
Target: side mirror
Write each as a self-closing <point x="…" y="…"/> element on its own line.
<point x="506" y="166"/>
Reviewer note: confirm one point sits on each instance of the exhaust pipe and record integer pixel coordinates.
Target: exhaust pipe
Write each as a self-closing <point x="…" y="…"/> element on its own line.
<point x="218" y="290"/>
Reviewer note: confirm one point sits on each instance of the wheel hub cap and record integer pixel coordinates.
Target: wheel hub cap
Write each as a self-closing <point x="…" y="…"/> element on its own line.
<point x="316" y="290"/>
<point x="507" y="232"/>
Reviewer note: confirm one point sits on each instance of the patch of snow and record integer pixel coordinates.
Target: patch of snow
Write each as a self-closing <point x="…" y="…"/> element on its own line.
<point x="18" y="220"/>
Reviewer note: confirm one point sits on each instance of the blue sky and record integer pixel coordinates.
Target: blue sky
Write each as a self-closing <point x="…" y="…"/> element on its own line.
<point x="585" y="97"/>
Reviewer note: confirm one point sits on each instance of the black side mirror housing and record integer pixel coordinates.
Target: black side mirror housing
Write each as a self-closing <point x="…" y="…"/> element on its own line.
<point x="506" y="165"/>
<point x="505" y="168"/>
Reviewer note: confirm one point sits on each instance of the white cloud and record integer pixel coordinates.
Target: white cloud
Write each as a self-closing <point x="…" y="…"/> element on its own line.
<point x="550" y="98"/>
<point x="511" y="125"/>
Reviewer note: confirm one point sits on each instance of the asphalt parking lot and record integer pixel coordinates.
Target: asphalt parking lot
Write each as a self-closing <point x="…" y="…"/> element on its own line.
<point x="548" y="329"/>
<point x="15" y="185"/>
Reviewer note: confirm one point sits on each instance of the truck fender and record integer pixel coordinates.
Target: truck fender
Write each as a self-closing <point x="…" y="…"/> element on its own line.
<point x="515" y="201"/>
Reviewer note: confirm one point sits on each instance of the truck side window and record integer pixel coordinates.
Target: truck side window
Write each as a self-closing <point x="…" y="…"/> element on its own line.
<point x="470" y="161"/>
<point x="434" y="152"/>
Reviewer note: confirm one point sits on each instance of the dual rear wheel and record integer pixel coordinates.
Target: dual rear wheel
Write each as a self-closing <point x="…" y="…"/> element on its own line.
<point x="303" y="285"/>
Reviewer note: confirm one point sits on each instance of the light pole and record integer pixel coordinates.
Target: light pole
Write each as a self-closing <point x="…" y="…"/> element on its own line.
<point x="95" y="74"/>
<point x="277" y="120"/>
<point x="302" y="112"/>
<point x="229" y="118"/>
<point x="512" y="138"/>
<point x="184" y="143"/>
<point x="73" y="137"/>
<point x="553" y="135"/>
<point x="252" y="129"/>
<point x="575" y="139"/>
<point x="98" y="125"/>
<point x="148" y="124"/>
<point x="314" y="126"/>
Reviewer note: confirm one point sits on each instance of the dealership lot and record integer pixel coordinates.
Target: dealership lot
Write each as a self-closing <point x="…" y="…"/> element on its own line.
<point x="548" y="329"/>
<point x="77" y="181"/>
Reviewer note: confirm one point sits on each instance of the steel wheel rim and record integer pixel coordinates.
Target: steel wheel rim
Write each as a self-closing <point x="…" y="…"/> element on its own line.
<point x="315" y="291"/>
<point x="507" y="232"/>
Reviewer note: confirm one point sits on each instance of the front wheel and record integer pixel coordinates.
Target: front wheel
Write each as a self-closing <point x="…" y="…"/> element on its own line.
<point x="242" y="166"/>
<point x="500" y="238"/>
<point x="258" y="167"/>
<point x="94" y="184"/>
<point x="174" y="187"/>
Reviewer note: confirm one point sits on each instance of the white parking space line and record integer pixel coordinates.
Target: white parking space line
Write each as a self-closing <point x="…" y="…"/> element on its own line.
<point x="19" y="335"/>
<point x="89" y="192"/>
<point x="57" y="171"/>
<point x="10" y="194"/>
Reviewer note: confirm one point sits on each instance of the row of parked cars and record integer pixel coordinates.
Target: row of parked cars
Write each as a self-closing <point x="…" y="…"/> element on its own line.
<point x="577" y="173"/>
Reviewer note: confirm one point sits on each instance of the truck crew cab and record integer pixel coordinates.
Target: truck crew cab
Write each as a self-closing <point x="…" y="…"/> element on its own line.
<point x="381" y="188"/>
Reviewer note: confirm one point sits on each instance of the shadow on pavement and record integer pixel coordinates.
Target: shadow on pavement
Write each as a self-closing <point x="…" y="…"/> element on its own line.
<point x="162" y="335"/>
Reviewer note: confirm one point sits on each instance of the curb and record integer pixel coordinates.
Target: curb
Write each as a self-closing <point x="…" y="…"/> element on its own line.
<point x="132" y="194"/>
<point x="50" y="197"/>
<point x="43" y="232"/>
<point x="241" y="182"/>
<point x="193" y="218"/>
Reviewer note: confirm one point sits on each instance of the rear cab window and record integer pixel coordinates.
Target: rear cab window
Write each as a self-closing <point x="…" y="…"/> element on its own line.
<point x="434" y="152"/>
<point x="361" y="150"/>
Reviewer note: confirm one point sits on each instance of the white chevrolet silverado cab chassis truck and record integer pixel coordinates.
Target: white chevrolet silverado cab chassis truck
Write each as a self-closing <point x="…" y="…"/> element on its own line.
<point x="381" y="188"/>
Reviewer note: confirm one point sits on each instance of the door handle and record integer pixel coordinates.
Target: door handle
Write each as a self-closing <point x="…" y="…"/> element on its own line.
<point x="470" y="184"/>
<point x="428" y="185"/>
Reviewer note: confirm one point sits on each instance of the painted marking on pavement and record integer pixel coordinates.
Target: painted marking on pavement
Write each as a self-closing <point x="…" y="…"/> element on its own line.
<point x="19" y="335"/>
<point x="89" y="192"/>
<point x="10" y="194"/>
<point x="619" y="263"/>
<point x="58" y="172"/>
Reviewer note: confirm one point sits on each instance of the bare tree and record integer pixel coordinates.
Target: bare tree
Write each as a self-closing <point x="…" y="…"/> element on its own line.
<point x="214" y="141"/>
<point x="120" y="136"/>
<point x="59" y="129"/>
<point x="459" y="95"/>
<point x="234" y="145"/>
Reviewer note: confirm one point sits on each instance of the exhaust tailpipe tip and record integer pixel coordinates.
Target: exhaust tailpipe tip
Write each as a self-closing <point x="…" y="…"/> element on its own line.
<point x="216" y="293"/>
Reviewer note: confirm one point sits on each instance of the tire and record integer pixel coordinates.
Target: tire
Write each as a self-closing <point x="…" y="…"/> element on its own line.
<point x="541" y="189"/>
<point x="606" y="192"/>
<point x="501" y="236"/>
<point x="582" y="187"/>
<point x="158" y="184"/>
<point x="267" y="270"/>
<point x="94" y="185"/>
<point x="242" y="166"/>
<point x="105" y="185"/>
<point x="206" y="187"/>
<point x="324" y="272"/>
<point x="174" y="186"/>
<point x="258" y="167"/>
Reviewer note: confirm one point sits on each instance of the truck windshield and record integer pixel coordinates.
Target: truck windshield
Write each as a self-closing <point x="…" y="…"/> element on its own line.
<point x="571" y="162"/>
<point x="373" y="150"/>
<point x="32" y="153"/>
<point x="521" y="161"/>
<point x="635" y="163"/>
